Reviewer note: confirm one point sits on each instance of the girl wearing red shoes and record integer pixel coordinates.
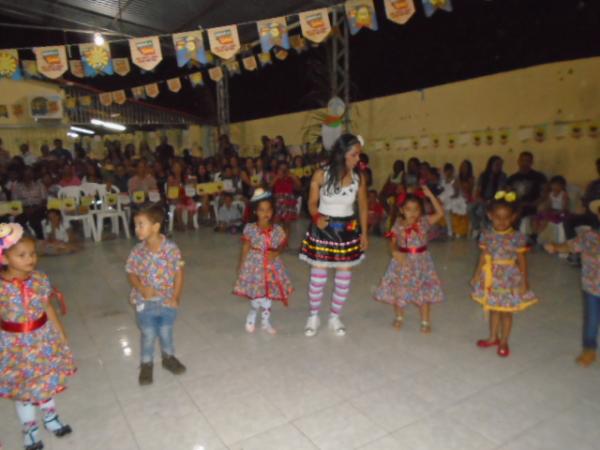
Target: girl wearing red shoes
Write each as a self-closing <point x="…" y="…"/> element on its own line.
<point x="35" y="360"/>
<point x="500" y="283"/>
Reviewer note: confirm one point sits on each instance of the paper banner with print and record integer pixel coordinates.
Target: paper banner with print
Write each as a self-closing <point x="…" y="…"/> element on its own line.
<point x="281" y="54"/>
<point x="51" y="61"/>
<point x="298" y="43"/>
<point x="138" y="92"/>
<point x="30" y="69"/>
<point x="96" y="59"/>
<point x="431" y="6"/>
<point x="273" y="33"/>
<point x="196" y="79"/>
<point x="361" y="14"/>
<point x="525" y="134"/>
<point x="576" y="130"/>
<point x="503" y="136"/>
<point x="424" y="141"/>
<point x="105" y="98"/>
<point x="9" y="65"/>
<point x="592" y="129"/>
<point x="224" y="41"/>
<point x="145" y="52"/>
<point x="119" y="97"/>
<point x="489" y="137"/>
<point x="249" y="63"/>
<point x="76" y="68"/>
<point x="174" y="84"/>
<point x="233" y="67"/>
<point x="399" y="11"/>
<point x="189" y="47"/>
<point x="121" y="66"/>
<point x="539" y="134"/>
<point x="17" y="110"/>
<point x="215" y="73"/>
<point x="464" y="138"/>
<point x="86" y="100"/>
<point x="264" y="59"/>
<point x="152" y="90"/>
<point x="70" y="102"/>
<point x="477" y="138"/>
<point x="315" y="25"/>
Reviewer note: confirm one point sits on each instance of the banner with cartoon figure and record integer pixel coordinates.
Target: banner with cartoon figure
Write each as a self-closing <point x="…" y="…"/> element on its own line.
<point x="315" y="25"/>
<point x="273" y="33"/>
<point x="51" y="61"/>
<point x="399" y="11"/>
<point x="9" y="65"/>
<point x="174" y="84"/>
<point x="189" y="48"/>
<point x="146" y="52"/>
<point x="431" y="6"/>
<point x="96" y="59"/>
<point x="224" y="41"/>
<point x="119" y="97"/>
<point x="361" y="14"/>
<point x="196" y="79"/>
<point x="76" y="67"/>
<point x="121" y="66"/>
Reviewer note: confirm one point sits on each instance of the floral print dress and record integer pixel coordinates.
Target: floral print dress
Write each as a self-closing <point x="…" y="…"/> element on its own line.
<point x="414" y="280"/>
<point x="34" y="365"/>
<point x="259" y="277"/>
<point x="499" y="284"/>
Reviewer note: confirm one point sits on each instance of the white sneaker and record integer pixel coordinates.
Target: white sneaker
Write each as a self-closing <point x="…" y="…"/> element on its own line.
<point x="336" y="325"/>
<point x="312" y="325"/>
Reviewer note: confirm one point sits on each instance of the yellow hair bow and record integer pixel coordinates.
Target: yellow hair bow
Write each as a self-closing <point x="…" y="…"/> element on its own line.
<point x="506" y="196"/>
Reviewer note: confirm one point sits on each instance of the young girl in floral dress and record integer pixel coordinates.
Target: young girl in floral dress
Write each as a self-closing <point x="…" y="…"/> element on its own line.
<point x="410" y="277"/>
<point x="262" y="276"/>
<point x="35" y="359"/>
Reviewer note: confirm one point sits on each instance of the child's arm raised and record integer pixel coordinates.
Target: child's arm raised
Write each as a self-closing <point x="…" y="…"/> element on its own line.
<point x="437" y="207"/>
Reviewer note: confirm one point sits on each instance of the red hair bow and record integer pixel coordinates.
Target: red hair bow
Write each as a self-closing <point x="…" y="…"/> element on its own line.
<point x="402" y="197"/>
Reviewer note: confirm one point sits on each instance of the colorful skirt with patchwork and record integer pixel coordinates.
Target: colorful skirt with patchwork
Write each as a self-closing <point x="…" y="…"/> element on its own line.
<point x="337" y="245"/>
<point x="285" y="207"/>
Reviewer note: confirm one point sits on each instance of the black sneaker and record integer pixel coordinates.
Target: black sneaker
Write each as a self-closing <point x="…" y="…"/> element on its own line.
<point x="145" y="377"/>
<point x="173" y="365"/>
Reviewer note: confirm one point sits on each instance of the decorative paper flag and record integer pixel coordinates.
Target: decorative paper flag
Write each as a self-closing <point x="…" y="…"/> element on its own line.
<point x="451" y="141"/>
<point x="174" y="84"/>
<point x="86" y="100"/>
<point x="315" y="25"/>
<point x="224" y="41"/>
<point x="540" y="133"/>
<point x="489" y="137"/>
<point x="298" y="43"/>
<point x="477" y="139"/>
<point x="399" y="11"/>
<point x="76" y="67"/>
<point x="264" y="59"/>
<point x="71" y="102"/>
<point x="525" y="134"/>
<point x="431" y="6"/>
<point x="51" y="61"/>
<point x="273" y="33"/>
<point x="593" y="130"/>
<point x="233" y="67"/>
<point x="196" y="79"/>
<point x="464" y="139"/>
<point x="119" y="97"/>
<point x="105" y="99"/>
<point x="121" y="66"/>
<point x="435" y="142"/>
<point x="504" y="136"/>
<point x="576" y="130"/>
<point x="215" y="73"/>
<point x="17" y="110"/>
<point x="561" y="130"/>
<point x="404" y="144"/>
<point x="30" y="68"/>
<point x="415" y="144"/>
<point x="9" y="65"/>
<point x="138" y="92"/>
<point x="361" y="14"/>
<point x="424" y="141"/>
<point x="146" y="52"/>
<point x="249" y="63"/>
<point x="96" y="59"/>
<point x="189" y="48"/>
<point x="152" y="90"/>
<point x="4" y="111"/>
<point x="281" y="54"/>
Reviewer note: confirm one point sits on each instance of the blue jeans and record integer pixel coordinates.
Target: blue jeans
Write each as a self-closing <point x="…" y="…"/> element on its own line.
<point x="591" y="320"/>
<point x="155" y="320"/>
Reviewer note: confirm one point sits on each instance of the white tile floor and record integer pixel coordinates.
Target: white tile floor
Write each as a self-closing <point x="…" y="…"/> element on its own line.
<point x="375" y="389"/>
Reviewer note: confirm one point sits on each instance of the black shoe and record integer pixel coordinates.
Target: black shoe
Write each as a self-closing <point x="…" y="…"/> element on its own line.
<point x="145" y="377"/>
<point x="63" y="429"/>
<point x="39" y="445"/>
<point x="173" y="365"/>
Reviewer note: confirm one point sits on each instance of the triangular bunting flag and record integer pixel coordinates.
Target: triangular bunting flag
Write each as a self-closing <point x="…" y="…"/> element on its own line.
<point x="96" y="59"/>
<point x="138" y="92"/>
<point x="9" y="65"/>
<point x="71" y="102"/>
<point x="17" y="110"/>
<point x="399" y="11"/>
<point x="30" y="68"/>
<point x="174" y="84"/>
<point x="196" y="79"/>
<point x="146" y="52"/>
<point x="105" y="99"/>
<point x="315" y="25"/>
<point x="86" y="100"/>
<point x="431" y="6"/>
<point x="152" y="90"/>
<point x="121" y="66"/>
<point x="233" y="67"/>
<point x="264" y="59"/>
<point x="215" y="73"/>
<point x="119" y="97"/>
<point x="361" y="14"/>
<point x="51" y="61"/>
<point x="249" y="63"/>
<point x="224" y="41"/>
<point x="273" y="33"/>
<point x="298" y="43"/>
<point x="189" y="47"/>
<point x="76" y="67"/>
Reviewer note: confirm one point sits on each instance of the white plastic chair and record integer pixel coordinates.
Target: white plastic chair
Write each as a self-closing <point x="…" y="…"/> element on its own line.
<point x="112" y="212"/>
<point x="87" y="219"/>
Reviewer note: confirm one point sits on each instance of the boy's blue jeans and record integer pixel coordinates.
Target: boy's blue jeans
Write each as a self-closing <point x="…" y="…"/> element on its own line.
<point x="591" y="320"/>
<point x="155" y="320"/>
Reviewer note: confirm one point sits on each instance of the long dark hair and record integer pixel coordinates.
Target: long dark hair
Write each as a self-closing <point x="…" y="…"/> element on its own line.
<point x="336" y="166"/>
<point x="469" y="173"/>
<point x="488" y="176"/>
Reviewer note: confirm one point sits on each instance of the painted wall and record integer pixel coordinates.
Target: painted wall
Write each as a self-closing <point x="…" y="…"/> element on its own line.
<point x="565" y="91"/>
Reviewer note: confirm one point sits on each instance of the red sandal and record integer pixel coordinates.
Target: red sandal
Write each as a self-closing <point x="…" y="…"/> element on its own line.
<point x="484" y="343"/>
<point x="503" y="351"/>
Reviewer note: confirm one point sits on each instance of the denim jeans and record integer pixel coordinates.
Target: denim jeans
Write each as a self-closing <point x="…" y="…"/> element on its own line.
<point x="155" y="320"/>
<point x="591" y="320"/>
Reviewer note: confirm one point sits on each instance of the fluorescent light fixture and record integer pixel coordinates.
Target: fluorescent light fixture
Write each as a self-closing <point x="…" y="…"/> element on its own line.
<point x="72" y="135"/>
<point x="109" y="125"/>
<point x="82" y="130"/>
<point x="98" y="39"/>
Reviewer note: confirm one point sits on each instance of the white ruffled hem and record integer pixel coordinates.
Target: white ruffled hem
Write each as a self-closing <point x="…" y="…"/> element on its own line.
<point x="331" y="264"/>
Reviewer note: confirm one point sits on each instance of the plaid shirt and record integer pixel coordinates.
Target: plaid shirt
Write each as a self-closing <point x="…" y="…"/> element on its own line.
<point x="33" y="194"/>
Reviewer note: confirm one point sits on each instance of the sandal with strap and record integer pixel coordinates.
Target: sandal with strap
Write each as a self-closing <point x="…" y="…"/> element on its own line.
<point x="31" y="440"/>
<point x="425" y="327"/>
<point x="398" y="322"/>
<point x="60" y="430"/>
